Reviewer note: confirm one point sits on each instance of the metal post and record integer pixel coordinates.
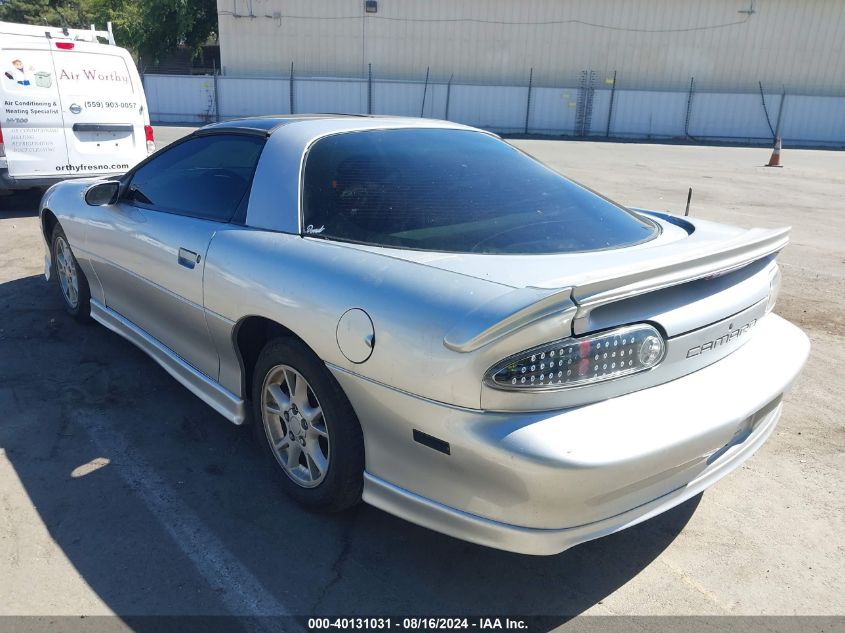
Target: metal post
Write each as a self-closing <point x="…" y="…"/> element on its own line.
<point x="610" y="107"/>
<point x="290" y="86"/>
<point x="448" y="94"/>
<point x="689" y="107"/>
<point x="766" y="111"/>
<point x="425" y="89"/>
<point x="370" y="90"/>
<point x="584" y="108"/>
<point x="216" y="91"/>
<point x="528" y="100"/>
<point x="780" y="112"/>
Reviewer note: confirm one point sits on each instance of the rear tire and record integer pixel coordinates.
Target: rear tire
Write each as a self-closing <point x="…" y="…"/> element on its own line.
<point x="304" y="423"/>
<point x="73" y="286"/>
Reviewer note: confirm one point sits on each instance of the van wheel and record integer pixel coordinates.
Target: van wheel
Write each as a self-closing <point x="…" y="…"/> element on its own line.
<point x="304" y="423"/>
<point x="72" y="282"/>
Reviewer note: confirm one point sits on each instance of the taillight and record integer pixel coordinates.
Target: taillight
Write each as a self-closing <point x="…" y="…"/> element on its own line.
<point x="572" y="362"/>
<point x="65" y="46"/>
<point x="151" y="142"/>
<point x="2" y="144"/>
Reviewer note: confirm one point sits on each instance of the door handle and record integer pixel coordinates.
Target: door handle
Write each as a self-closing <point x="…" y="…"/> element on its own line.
<point x="187" y="258"/>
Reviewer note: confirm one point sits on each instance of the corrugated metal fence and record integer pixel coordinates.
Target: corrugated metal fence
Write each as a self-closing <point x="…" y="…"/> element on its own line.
<point x="582" y="110"/>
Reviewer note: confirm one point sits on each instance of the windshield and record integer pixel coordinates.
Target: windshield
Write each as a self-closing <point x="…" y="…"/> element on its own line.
<point x="455" y="191"/>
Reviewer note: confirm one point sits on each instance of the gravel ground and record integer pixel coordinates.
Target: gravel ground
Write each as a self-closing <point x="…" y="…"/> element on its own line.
<point x="122" y="493"/>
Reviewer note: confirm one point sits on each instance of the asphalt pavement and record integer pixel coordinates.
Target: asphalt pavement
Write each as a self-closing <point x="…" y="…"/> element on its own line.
<point x="122" y="493"/>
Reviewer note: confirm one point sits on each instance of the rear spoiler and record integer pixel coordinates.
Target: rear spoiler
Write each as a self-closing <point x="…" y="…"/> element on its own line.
<point x="711" y="259"/>
<point x="523" y="306"/>
<point x="696" y="257"/>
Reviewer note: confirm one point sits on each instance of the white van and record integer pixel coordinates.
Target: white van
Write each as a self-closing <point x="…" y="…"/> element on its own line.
<point x="70" y="106"/>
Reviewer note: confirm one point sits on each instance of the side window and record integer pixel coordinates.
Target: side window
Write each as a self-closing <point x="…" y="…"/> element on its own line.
<point x="204" y="177"/>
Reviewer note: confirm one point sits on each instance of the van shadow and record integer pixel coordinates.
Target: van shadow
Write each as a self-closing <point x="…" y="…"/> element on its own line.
<point x="164" y="508"/>
<point x="20" y="204"/>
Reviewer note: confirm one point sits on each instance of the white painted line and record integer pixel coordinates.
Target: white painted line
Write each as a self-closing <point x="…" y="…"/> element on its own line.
<point x="243" y="595"/>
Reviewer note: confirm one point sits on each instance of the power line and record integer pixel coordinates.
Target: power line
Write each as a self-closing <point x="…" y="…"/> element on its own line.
<point x="494" y="22"/>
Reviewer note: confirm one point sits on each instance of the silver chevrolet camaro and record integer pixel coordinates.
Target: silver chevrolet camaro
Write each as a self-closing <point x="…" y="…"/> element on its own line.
<point x="417" y="314"/>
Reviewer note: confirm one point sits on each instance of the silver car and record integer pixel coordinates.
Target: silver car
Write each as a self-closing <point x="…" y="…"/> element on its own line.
<point x="417" y="314"/>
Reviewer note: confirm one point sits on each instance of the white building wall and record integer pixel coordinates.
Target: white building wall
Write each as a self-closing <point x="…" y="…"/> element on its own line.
<point x="478" y="55"/>
<point x="652" y="44"/>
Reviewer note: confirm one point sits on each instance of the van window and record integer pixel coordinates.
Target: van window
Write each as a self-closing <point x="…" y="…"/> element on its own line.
<point x="203" y="177"/>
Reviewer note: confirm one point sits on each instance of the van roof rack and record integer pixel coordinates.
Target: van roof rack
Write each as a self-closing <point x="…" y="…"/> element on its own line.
<point x="58" y="32"/>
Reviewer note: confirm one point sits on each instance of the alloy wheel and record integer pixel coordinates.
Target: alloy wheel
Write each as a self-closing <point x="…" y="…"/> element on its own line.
<point x="295" y="427"/>
<point x="66" y="270"/>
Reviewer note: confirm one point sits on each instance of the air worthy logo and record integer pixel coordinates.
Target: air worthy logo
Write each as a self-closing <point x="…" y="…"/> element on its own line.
<point x="89" y="74"/>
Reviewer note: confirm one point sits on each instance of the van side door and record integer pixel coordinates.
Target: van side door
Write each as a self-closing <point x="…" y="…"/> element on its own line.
<point x="30" y="112"/>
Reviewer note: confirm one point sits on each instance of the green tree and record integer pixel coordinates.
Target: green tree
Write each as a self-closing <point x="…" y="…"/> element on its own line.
<point x="33" y="11"/>
<point x="126" y="18"/>
<point x="152" y="29"/>
<point x="171" y="23"/>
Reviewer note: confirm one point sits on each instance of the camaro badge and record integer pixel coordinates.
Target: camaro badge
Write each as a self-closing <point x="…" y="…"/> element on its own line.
<point x="730" y="336"/>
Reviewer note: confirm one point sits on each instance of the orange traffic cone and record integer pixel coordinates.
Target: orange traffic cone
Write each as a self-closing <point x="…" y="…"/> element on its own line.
<point x="774" y="161"/>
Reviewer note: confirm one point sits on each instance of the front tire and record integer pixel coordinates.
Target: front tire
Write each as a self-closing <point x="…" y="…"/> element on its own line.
<point x="304" y="423"/>
<point x="76" y="295"/>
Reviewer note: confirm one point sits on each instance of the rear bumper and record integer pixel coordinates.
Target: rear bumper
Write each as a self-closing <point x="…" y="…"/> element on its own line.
<point x="469" y="527"/>
<point x="539" y="483"/>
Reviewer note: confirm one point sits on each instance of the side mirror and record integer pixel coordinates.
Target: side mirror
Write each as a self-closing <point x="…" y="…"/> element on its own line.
<point x="102" y="193"/>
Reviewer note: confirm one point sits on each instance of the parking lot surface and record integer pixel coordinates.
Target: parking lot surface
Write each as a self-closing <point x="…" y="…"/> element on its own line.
<point x="122" y="493"/>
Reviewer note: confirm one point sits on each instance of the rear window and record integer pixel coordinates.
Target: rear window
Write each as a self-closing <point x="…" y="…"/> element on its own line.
<point x="454" y="191"/>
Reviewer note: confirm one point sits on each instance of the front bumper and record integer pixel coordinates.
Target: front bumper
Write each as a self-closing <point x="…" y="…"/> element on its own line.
<point x="541" y="482"/>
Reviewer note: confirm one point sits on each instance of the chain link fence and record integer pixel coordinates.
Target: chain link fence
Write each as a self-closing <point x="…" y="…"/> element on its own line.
<point x="596" y="105"/>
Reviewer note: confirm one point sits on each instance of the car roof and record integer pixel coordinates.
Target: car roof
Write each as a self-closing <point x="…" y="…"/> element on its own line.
<point x="269" y="124"/>
<point x="277" y="178"/>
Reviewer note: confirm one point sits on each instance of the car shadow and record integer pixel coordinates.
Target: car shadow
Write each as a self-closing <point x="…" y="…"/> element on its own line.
<point x="20" y="204"/>
<point x="164" y="508"/>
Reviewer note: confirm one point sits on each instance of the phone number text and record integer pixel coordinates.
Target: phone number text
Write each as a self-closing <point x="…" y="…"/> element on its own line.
<point x="110" y="104"/>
